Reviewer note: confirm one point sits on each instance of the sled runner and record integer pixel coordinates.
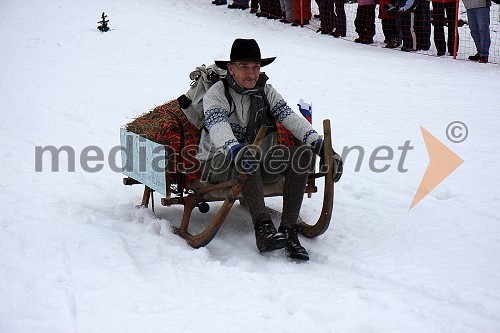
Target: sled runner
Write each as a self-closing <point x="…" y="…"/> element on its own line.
<point x="147" y="162"/>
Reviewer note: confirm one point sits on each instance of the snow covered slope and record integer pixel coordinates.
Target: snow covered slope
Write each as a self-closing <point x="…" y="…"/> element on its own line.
<point x="76" y="256"/>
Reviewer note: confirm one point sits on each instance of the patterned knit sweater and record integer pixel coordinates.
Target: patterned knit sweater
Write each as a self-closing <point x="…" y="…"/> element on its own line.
<point x="225" y="131"/>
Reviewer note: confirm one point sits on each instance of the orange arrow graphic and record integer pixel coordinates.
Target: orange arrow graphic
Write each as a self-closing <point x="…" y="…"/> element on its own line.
<point x="442" y="163"/>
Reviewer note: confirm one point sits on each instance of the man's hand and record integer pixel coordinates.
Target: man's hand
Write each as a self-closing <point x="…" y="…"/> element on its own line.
<point x="318" y="148"/>
<point x="244" y="159"/>
<point x="394" y="10"/>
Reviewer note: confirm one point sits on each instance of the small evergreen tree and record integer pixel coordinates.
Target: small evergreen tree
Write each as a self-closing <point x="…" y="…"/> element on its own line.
<point x="103" y="23"/>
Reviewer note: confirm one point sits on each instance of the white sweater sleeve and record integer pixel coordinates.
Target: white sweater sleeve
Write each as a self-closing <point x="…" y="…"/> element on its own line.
<point x="216" y="117"/>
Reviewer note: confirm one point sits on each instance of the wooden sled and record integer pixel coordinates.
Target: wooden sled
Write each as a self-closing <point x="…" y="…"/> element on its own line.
<point x="200" y="193"/>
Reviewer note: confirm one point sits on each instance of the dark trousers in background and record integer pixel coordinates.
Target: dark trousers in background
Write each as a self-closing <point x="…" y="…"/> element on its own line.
<point x="479" y="24"/>
<point x="365" y="21"/>
<point x="241" y="2"/>
<point x="326" y="14"/>
<point x="422" y="25"/>
<point x="340" y="18"/>
<point x="407" y="20"/>
<point x="444" y="13"/>
<point x="390" y="29"/>
<point x="254" y="4"/>
<point x="264" y="5"/>
<point x="271" y="7"/>
<point x="332" y="16"/>
<point x="389" y="26"/>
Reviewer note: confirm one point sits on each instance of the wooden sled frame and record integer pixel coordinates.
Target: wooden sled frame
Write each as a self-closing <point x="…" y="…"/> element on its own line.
<point x="195" y="197"/>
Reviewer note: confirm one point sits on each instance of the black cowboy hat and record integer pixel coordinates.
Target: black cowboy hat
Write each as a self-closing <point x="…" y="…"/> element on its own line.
<point x="245" y="50"/>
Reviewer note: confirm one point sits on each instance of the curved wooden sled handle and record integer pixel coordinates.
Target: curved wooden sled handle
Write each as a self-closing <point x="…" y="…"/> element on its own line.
<point x="208" y="234"/>
<point x="323" y="222"/>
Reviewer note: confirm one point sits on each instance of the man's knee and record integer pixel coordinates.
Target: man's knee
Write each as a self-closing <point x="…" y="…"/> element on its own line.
<point x="218" y="170"/>
<point x="302" y="158"/>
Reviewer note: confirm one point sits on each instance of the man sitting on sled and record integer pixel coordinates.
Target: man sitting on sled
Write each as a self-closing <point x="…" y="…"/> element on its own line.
<point x="234" y="110"/>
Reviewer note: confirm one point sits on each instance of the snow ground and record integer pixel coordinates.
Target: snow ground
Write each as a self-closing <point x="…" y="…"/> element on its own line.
<point x="76" y="256"/>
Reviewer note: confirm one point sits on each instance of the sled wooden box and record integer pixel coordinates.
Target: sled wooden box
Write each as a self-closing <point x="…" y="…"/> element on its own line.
<point x="144" y="162"/>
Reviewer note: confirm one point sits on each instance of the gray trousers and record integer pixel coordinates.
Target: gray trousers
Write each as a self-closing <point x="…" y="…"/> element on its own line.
<point x="278" y="161"/>
<point x="287" y="9"/>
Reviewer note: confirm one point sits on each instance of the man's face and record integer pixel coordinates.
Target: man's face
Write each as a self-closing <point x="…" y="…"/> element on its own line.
<point x="245" y="73"/>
